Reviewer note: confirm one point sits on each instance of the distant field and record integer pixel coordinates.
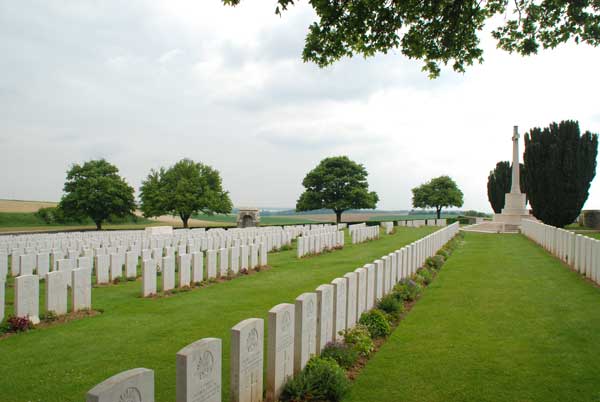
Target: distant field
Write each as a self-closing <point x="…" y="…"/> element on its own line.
<point x="29" y="221"/>
<point x="24" y="206"/>
<point x="391" y="217"/>
<point x="264" y="220"/>
<point x="17" y="215"/>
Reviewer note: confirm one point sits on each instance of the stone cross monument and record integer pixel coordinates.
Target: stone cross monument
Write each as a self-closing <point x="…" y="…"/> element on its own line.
<point x="516" y="185"/>
<point x="514" y="202"/>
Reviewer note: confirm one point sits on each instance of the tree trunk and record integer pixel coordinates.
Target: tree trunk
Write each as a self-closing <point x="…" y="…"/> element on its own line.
<point x="439" y="212"/>
<point x="338" y="217"/>
<point x="98" y="225"/>
<point x="185" y="221"/>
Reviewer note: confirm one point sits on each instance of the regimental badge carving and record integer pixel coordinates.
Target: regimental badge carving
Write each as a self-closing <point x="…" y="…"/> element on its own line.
<point x="131" y="394"/>
<point x="252" y="341"/>
<point x="204" y="365"/>
<point x="286" y="322"/>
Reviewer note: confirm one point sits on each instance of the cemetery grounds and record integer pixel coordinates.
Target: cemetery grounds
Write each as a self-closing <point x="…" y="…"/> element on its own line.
<point x="503" y="321"/>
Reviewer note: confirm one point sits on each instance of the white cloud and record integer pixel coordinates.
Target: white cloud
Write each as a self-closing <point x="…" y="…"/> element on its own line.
<point x="145" y="84"/>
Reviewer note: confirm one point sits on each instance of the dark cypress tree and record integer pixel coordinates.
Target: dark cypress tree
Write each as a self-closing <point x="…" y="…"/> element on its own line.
<point x="500" y="181"/>
<point x="560" y="164"/>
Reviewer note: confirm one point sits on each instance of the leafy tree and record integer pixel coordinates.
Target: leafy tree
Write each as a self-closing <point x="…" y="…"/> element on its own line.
<point x="443" y="31"/>
<point x="438" y="193"/>
<point x="560" y="164"/>
<point x="96" y="190"/>
<point x="337" y="183"/>
<point x="500" y="181"/>
<point x="184" y="189"/>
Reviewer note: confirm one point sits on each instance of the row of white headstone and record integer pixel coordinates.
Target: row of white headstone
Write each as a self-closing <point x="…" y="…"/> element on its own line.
<point x="361" y="234"/>
<point x="387" y="226"/>
<point x="42" y="251"/>
<point x="108" y="262"/>
<point x="295" y="333"/>
<point x="311" y="244"/>
<point x="27" y="293"/>
<point x="415" y="223"/>
<point x="219" y="263"/>
<point x="580" y="252"/>
<point x="80" y="240"/>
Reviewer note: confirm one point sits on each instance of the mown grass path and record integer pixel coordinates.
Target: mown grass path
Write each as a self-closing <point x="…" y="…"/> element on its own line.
<point x="62" y="363"/>
<point x="504" y="321"/>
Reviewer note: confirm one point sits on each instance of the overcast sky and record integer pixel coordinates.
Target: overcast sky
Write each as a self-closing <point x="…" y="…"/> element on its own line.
<point x="146" y="83"/>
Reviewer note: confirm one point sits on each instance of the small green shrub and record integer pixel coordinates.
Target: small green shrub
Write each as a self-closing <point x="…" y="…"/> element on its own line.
<point x="321" y="380"/>
<point x="360" y="339"/>
<point x="435" y="262"/>
<point x="344" y="355"/>
<point x="419" y="279"/>
<point x="391" y="305"/>
<point x="443" y="252"/>
<point x="408" y="290"/>
<point x="426" y="275"/>
<point x="376" y="322"/>
<point x="49" y="316"/>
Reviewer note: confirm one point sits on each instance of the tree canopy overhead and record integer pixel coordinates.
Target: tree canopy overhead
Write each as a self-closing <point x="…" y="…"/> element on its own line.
<point x="438" y="193"/>
<point x="442" y="32"/>
<point x="560" y="165"/>
<point x="337" y="183"/>
<point x="184" y="189"/>
<point x="96" y="190"/>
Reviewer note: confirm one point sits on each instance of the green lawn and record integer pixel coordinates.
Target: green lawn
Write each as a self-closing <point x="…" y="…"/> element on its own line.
<point x="62" y="363"/>
<point x="504" y="321"/>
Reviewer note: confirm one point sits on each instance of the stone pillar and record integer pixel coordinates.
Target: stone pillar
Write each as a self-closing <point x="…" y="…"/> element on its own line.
<point x="515" y="187"/>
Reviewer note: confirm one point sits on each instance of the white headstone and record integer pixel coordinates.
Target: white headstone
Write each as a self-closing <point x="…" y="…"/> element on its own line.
<point x="351" y="298"/>
<point x="280" y="349"/>
<point x="184" y="262"/>
<point x="148" y="278"/>
<point x="244" y="257"/>
<point x="131" y="262"/>
<point x="379" y="279"/>
<point x="116" y="267"/>
<point x="199" y="371"/>
<point x="223" y="261"/>
<point x="246" y="357"/>
<point x="263" y="254"/>
<point x="26" y="264"/>
<point x="27" y="297"/>
<point x="324" y="316"/>
<point x="340" y="302"/>
<point x="168" y="274"/>
<point x="305" y="338"/>
<point x="2" y="297"/>
<point x="102" y="268"/>
<point x="66" y="266"/>
<point x="361" y="291"/>
<point x="197" y="267"/>
<point x="3" y="266"/>
<point x="81" y="296"/>
<point x="56" y="292"/>
<point x="370" y="286"/>
<point x="211" y="264"/>
<point x="135" y="385"/>
<point x="235" y="259"/>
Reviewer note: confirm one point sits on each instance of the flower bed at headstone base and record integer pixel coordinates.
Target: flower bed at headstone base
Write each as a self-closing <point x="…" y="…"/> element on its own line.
<point x="393" y="308"/>
<point x="14" y="325"/>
